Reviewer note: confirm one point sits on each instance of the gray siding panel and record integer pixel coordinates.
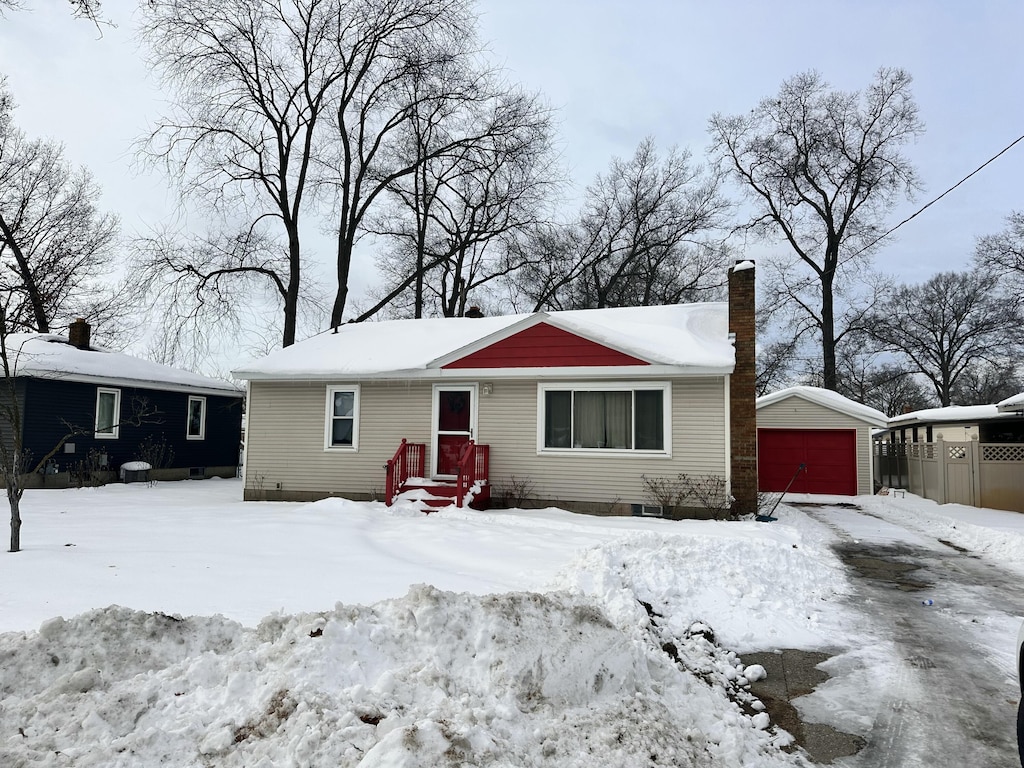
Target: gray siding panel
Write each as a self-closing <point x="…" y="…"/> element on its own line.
<point x="797" y="413"/>
<point x="285" y="440"/>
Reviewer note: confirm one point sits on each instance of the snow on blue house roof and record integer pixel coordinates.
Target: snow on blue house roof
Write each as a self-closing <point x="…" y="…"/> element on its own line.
<point x="49" y="356"/>
<point x="684" y="338"/>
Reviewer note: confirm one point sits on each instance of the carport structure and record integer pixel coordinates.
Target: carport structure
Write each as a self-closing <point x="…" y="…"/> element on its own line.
<point x="827" y="433"/>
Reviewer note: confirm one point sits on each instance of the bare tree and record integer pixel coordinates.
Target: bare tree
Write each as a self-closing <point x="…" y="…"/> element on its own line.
<point x="646" y="235"/>
<point x="1003" y="252"/>
<point x="948" y="325"/>
<point x="454" y="216"/>
<point x="192" y="287"/>
<point x="988" y="382"/>
<point x="80" y="9"/>
<point x="821" y="169"/>
<point x="287" y="108"/>
<point x="250" y="80"/>
<point x="774" y="363"/>
<point x="385" y="48"/>
<point x="865" y="376"/>
<point x="55" y="245"/>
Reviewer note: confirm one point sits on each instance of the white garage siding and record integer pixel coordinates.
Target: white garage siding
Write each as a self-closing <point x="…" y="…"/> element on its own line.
<point x="798" y="413"/>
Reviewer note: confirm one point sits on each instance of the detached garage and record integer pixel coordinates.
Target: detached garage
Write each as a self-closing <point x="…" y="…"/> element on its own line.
<point x="828" y="433"/>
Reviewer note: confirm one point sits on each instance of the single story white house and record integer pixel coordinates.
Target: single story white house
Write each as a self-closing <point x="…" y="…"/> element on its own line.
<point x="580" y="406"/>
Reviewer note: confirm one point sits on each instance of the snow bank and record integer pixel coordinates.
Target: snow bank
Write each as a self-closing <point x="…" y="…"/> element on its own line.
<point x="431" y="679"/>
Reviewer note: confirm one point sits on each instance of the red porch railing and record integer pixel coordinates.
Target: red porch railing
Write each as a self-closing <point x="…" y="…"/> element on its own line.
<point x="474" y="467"/>
<point x="407" y="462"/>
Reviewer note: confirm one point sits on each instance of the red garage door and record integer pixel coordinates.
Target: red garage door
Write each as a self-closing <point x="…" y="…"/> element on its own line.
<point x="830" y="456"/>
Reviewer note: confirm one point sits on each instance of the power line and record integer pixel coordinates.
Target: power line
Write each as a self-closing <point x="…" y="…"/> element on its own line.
<point x="927" y="205"/>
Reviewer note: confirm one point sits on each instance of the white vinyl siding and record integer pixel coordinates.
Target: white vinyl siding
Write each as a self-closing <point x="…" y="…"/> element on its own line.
<point x="108" y="413"/>
<point x="285" y="436"/>
<point x="697" y="429"/>
<point x="798" y="413"/>
<point x="286" y="425"/>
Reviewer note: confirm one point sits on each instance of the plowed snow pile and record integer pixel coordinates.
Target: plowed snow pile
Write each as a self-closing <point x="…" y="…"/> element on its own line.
<point x="430" y="679"/>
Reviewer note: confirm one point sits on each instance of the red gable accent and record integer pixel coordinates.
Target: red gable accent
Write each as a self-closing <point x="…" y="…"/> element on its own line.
<point x="544" y="346"/>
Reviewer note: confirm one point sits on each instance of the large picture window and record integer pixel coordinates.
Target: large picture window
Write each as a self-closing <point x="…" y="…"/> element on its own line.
<point x="108" y="413"/>
<point x="196" y="429"/>
<point x="342" y="427"/>
<point x="605" y="417"/>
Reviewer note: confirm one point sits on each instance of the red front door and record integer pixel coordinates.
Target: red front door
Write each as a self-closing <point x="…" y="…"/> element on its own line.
<point x="453" y="426"/>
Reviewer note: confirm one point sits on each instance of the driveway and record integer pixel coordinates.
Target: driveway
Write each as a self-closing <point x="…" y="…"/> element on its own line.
<point x="948" y="696"/>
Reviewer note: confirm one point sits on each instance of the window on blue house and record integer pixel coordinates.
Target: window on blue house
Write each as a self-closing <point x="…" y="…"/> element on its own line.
<point x="108" y="413"/>
<point x="196" y="428"/>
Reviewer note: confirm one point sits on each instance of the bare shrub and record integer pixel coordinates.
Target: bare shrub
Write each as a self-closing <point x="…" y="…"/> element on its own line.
<point x="157" y="453"/>
<point x="709" y="491"/>
<point x="88" y="473"/>
<point x="704" y="491"/>
<point x="663" y="492"/>
<point x="514" y="491"/>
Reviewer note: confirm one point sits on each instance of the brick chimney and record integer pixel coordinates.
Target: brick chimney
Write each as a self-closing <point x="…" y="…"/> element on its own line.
<point x="78" y="333"/>
<point x="742" y="389"/>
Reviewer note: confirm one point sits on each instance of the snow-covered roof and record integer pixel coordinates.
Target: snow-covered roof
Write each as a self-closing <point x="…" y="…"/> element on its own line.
<point x="50" y="356"/>
<point x="1013" y="404"/>
<point x="950" y="413"/>
<point x="691" y="338"/>
<point x="828" y="399"/>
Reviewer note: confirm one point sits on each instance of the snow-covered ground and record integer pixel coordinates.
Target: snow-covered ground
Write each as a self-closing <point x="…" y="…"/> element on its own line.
<point x="200" y="630"/>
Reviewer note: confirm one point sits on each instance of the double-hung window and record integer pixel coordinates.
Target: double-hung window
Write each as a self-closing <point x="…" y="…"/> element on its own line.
<point x="605" y="417"/>
<point x="342" y="422"/>
<point x="196" y="426"/>
<point x="108" y="413"/>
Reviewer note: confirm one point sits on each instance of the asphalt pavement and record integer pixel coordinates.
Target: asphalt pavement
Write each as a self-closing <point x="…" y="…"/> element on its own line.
<point x="948" y="702"/>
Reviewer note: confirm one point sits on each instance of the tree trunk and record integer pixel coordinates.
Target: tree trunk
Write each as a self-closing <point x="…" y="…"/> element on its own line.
<point x="291" y="299"/>
<point x="14" y="498"/>
<point x="828" y="332"/>
<point x="345" y="248"/>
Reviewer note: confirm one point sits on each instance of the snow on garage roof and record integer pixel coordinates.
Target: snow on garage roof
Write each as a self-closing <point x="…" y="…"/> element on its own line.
<point x="828" y="399"/>
<point x="691" y="337"/>
<point x="49" y="356"/>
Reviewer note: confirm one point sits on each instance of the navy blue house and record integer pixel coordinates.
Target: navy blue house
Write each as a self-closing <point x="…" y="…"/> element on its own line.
<point x="111" y="409"/>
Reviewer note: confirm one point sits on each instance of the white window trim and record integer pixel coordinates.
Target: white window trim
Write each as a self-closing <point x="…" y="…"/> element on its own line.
<point x="613" y="386"/>
<point x="116" y="429"/>
<point x="202" y="421"/>
<point x="329" y="418"/>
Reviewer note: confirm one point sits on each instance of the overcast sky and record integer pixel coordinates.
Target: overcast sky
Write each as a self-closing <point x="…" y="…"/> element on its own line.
<point x="618" y="71"/>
